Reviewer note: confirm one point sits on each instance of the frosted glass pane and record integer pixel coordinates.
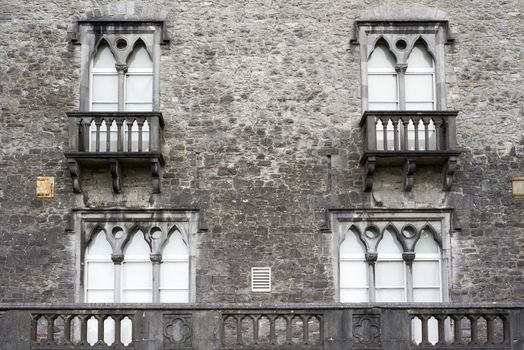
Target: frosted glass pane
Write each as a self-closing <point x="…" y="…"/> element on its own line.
<point x="100" y="275"/>
<point x="425" y="295"/>
<point x="137" y="296"/>
<point x="419" y="87"/>
<point x="139" y="88"/>
<point x="389" y="273"/>
<point x="137" y="275"/>
<point x="419" y="58"/>
<point x="104" y="58"/>
<point x="174" y="275"/>
<point x="139" y="107"/>
<point x="353" y="274"/>
<point x="100" y="296"/>
<point x="389" y="295"/>
<point x="389" y="245"/>
<point x="140" y="59"/>
<point x="105" y="88"/>
<point x="384" y="106"/>
<point x="381" y="58"/>
<point x="137" y="246"/>
<point x="175" y="246"/>
<point x="99" y="246"/>
<point x="419" y="106"/>
<point x="382" y="87"/>
<point x="104" y="107"/>
<point x="426" y="273"/>
<point x="353" y="295"/>
<point x="427" y="244"/>
<point x="174" y="296"/>
<point x="352" y="245"/>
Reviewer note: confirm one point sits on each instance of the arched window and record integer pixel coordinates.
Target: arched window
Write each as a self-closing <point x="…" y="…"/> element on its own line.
<point x="353" y="268"/>
<point x="137" y="271"/>
<point x="382" y="79"/>
<point x="99" y="271"/>
<point x="104" y="80"/>
<point x="139" y="80"/>
<point x="420" y="80"/>
<point x="174" y="270"/>
<point x="390" y="272"/>
<point x="426" y="269"/>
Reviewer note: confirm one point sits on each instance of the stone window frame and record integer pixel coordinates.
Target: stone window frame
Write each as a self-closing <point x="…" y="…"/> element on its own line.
<point x="90" y="33"/>
<point x="393" y="26"/>
<point x="86" y="223"/>
<point x="341" y="221"/>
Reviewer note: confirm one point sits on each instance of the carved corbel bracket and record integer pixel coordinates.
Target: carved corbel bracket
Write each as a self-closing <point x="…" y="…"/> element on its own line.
<point x="369" y="172"/>
<point x="448" y="172"/>
<point x="409" y="172"/>
<point x="115" y="174"/>
<point x="155" y="173"/>
<point x="74" y="170"/>
<point x="371" y="257"/>
<point x="408" y="257"/>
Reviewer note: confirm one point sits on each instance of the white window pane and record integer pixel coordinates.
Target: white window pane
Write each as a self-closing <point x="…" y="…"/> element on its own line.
<point x="139" y="107"/>
<point x="420" y="106"/>
<point x="353" y="274"/>
<point x="104" y="59"/>
<point x="426" y="273"/>
<point x="381" y="58"/>
<point x="100" y="296"/>
<point x="140" y="59"/>
<point x="105" y="88"/>
<point x="104" y="107"/>
<point x="389" y="245"/>
<point x="389" y="295"/>
<point x="176" y="247"/>
<point x="426" y="295"/>
<point x="99" y="246"/>
<point x="419" y="58"/>
<point x="100" y="275"/>
<point x="353" y="295"/>
<point x="382" y="106"/>
<point x="389" y="273"/>
<point x="382" y="87"/>
<point x="139" y="88"/>
<point x="174" y="275"/>
<point x="427" y="244"/>
<point x="137" y="296"/>
<point x="174" y="296"/>
<point x="419" y="87"/>
<point x="126" y="331"/>
<point x="137" y="275"/>
<point x="138" y="246"/>
<point x="352" y="245"/>
<point x="92" y="330"/>
<point x="109" y="331"/>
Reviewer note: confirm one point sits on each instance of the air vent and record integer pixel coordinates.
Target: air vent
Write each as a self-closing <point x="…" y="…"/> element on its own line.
<point x="261" y="279"/>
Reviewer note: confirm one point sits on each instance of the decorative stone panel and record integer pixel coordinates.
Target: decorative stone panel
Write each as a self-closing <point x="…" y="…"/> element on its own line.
<point x="178" y="331"/>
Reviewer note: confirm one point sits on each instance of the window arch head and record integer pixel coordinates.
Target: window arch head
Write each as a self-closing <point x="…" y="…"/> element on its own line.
<point x="103" y="80"/>
<point x="389" y="244"/>
<point x="99" y="246"/>
<point x="381" y="57"/>
<point x="352" y="246"/>
<point x="382" y="79"/>
<point x="427" y="244"/>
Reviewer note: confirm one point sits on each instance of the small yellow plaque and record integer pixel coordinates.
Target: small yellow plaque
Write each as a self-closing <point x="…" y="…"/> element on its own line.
<point x="45" y="187"/>
<point x="518" y="187"/>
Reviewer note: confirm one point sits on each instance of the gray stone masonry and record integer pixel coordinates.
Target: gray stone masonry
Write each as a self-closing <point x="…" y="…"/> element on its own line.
<point x="262" y="103"/>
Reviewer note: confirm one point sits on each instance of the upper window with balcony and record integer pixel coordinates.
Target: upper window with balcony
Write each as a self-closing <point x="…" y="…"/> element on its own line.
<point x="405" y="119"/>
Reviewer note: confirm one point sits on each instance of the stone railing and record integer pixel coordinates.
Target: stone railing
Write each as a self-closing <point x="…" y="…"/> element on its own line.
<point x="409" y="138"/>
<point x="295" y="326"/>
<point x="115" y="138"/>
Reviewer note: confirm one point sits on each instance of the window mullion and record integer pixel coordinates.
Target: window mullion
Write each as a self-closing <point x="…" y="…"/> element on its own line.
<point x="118" y="280"/>
<point x="401" y="80"/>
<point x="122" y="70"/>
<point x="156" y="259"/>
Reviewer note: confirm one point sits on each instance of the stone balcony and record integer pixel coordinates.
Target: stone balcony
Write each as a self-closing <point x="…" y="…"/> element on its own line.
<point x="291" y="326"/>
<point x="114" y="139"/>
<point x="409" y="139"/>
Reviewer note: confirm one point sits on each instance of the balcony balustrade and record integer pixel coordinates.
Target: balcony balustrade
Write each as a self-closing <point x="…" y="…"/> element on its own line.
<point x="293" y="326"/>
<point x="115" y="138"/>
<point x="409" y="138"/>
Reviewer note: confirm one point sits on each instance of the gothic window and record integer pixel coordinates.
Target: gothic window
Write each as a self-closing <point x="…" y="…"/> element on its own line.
<point x="99" y="271"/>
<point x="392" y="257"/>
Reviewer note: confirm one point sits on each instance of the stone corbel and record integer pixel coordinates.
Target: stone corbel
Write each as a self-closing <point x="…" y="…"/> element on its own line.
<point x="369" y="172"/>
<point x="448" y="172"/>
<point x="408" y="257"/>
<point x="115" y="174"/>
<point x="155" y="173"/>
<point x="371" y="257"/>
<point x="74" y="170"/>
<point x="409" y="171"/>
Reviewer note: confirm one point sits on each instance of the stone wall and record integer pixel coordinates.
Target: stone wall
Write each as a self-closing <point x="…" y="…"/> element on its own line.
<point x="262" y="102"/>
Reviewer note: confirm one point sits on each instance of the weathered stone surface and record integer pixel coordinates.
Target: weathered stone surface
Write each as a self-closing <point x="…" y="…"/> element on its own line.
<point x="262" y="102"/>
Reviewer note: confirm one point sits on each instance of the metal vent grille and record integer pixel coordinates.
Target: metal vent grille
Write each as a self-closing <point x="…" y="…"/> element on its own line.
<point x="261" y="279"/>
